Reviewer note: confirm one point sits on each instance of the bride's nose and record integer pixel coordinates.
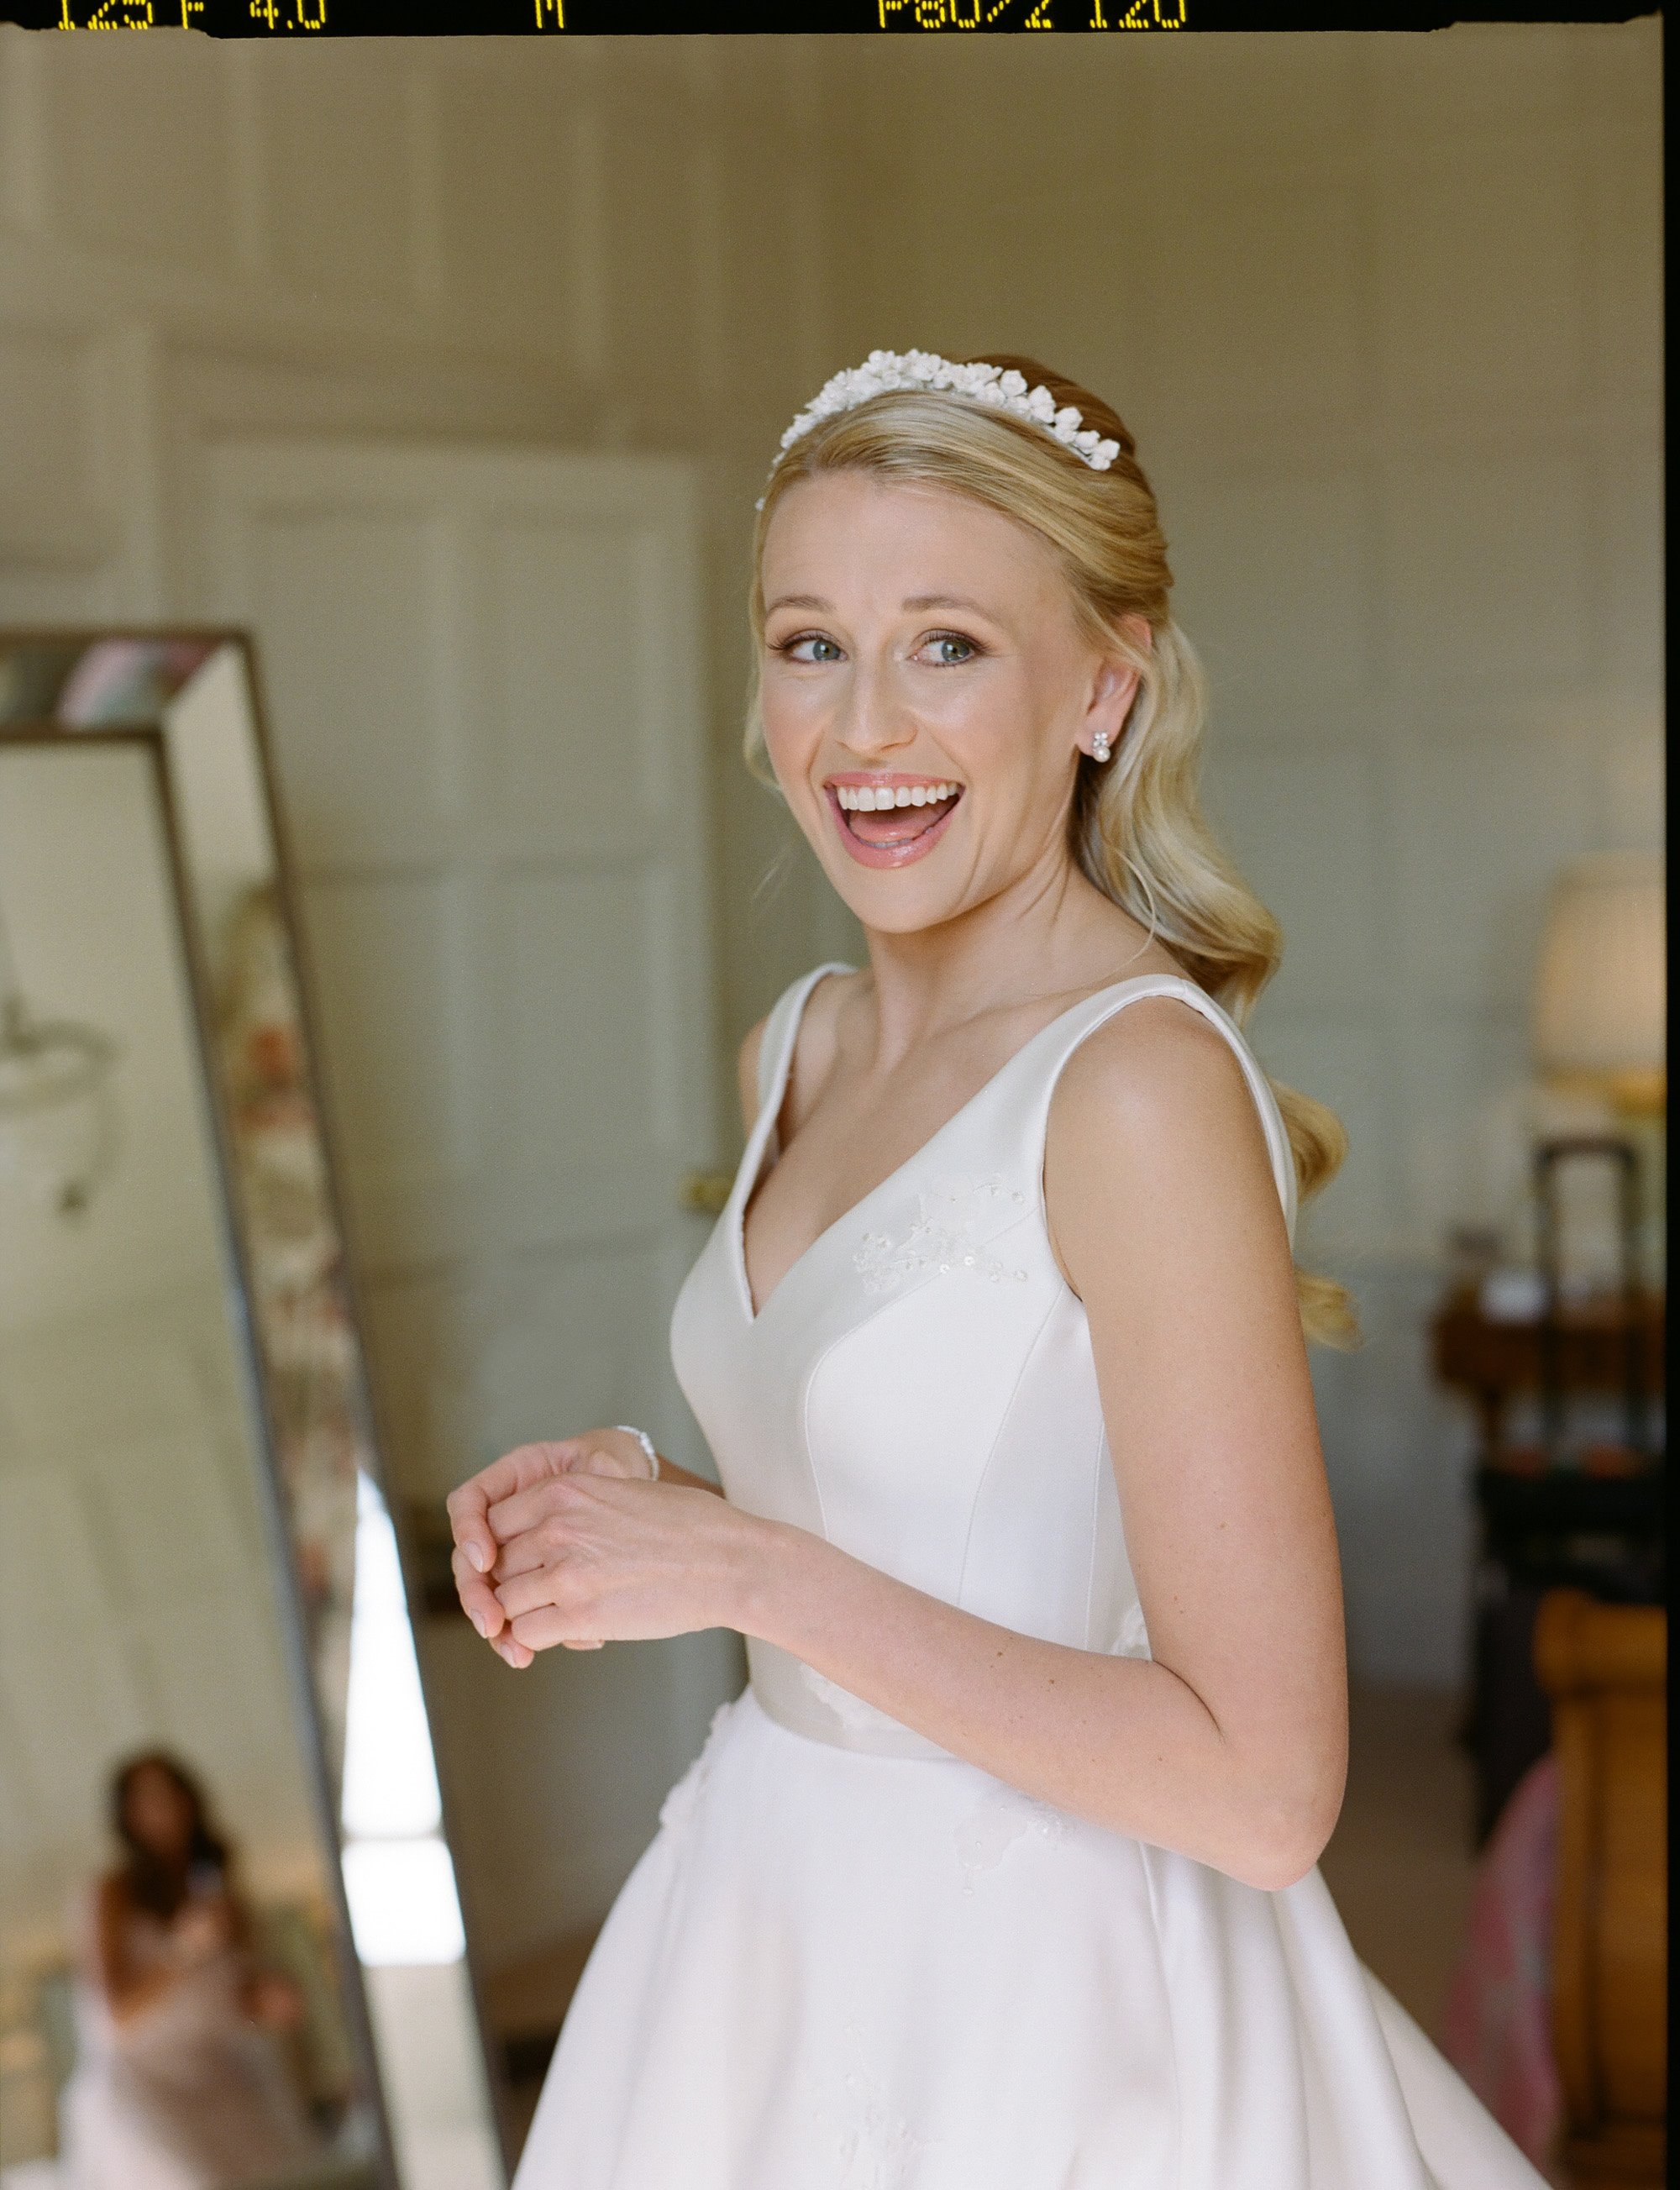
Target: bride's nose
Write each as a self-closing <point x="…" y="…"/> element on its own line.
<point x="874" y="720"/>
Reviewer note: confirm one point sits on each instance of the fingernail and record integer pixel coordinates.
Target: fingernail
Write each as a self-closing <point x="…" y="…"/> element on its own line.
<point x="477" y="1554"/>
<point x="478" y="1621"/>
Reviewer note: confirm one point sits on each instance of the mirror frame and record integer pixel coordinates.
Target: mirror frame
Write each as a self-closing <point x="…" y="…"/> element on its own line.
<point x="371" y="1426"/>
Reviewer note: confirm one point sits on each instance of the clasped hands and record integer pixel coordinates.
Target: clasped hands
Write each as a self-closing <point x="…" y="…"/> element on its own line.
<point x="570" y="1542"/>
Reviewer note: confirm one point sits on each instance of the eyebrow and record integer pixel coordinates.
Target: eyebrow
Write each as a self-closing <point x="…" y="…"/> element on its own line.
<point x="911" y="601"/>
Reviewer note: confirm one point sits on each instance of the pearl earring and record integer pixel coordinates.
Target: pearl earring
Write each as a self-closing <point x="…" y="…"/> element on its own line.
<point x="1100" y="747"/>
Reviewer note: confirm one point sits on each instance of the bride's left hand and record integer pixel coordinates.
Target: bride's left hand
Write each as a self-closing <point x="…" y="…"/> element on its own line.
<point x="595" y="1558"/>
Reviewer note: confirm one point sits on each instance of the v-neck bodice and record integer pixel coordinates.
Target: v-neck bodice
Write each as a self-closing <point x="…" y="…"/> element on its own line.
<point x="919" y="1385"/>
<point x="776" y="1062"/>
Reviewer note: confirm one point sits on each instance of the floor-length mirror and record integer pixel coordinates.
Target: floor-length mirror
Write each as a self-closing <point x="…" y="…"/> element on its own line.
<point x="343" y="1573"/>
<point x="175" y="1976"/>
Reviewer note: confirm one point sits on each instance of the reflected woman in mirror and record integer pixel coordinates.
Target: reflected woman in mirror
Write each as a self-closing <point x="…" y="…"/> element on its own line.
<point x="181" y="2081"/>
<point x="1001" y="1874"/>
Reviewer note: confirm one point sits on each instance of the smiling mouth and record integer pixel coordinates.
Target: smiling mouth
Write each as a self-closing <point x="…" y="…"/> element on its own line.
<point x="888" y="817"/>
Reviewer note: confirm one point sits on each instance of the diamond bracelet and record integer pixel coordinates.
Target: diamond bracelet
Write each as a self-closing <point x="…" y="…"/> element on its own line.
<point x="645" y="1443"/>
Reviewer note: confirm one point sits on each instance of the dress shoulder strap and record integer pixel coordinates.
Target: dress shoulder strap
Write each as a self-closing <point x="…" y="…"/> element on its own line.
<point x="1074" y="1025"/>
<point x="781" y="1031"/>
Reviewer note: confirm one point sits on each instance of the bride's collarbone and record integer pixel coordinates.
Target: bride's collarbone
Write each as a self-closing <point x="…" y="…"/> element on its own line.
<point x="826" y="1069"/>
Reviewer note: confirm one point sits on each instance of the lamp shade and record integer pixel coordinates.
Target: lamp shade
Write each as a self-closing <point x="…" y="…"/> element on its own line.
<point x="1599" y="996"/>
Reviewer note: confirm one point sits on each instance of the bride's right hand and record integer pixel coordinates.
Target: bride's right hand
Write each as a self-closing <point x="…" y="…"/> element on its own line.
<point x="592" y="1452"/>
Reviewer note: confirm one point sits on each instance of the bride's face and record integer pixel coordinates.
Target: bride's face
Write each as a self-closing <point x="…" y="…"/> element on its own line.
<point x="919" y="644"/>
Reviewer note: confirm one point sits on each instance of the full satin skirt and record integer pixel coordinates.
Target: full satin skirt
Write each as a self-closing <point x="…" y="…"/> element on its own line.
<point x="838" y="1970"/>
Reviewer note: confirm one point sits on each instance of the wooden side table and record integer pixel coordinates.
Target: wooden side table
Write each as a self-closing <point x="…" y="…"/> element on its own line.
<point x="1597" y="1526"/>
<point x="1496" y="1360"/>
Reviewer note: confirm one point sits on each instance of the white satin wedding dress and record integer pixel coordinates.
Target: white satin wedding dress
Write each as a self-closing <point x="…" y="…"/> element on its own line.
<point x="848" y="1961"/>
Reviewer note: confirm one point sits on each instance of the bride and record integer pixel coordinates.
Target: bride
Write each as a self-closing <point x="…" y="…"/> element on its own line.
<point x="1001" y="1872"/>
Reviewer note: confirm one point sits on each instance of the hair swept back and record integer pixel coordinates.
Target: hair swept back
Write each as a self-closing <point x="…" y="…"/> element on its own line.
<point x="1135" y="823"/>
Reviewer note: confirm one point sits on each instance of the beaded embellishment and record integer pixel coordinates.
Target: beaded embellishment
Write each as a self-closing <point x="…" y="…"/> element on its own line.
<point x="942" y="1236"/>
<point x="1001" y="1818"/>
<point x="875" y="2146"/>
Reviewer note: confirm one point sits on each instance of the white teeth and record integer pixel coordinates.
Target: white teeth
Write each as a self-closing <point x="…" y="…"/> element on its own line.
<point x="868" y="798"/>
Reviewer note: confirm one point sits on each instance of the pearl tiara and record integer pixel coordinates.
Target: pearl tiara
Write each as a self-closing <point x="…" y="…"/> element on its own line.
<point x="1002" y="388"/>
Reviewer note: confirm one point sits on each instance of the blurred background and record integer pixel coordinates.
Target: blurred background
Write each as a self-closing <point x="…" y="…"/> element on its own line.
<point x="448" y="371"/>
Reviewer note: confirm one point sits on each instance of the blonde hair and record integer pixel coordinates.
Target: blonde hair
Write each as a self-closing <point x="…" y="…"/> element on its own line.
<point x="1135" y="824"/>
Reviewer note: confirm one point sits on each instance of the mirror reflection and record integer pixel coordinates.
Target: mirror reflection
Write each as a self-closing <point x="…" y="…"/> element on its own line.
<point x="335" y="1562"/>
<point x="180" y="2007"/>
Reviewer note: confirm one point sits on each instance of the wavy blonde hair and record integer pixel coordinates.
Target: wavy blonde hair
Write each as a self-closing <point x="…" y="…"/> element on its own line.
<point x="1135" y="824"/>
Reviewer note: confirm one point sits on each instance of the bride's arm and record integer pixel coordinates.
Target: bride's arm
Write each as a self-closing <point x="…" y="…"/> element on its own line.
<point x="1230" y="1746"/>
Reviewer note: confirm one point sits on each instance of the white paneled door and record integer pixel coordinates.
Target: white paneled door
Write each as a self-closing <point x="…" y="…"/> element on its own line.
<point x="484" y="696"/>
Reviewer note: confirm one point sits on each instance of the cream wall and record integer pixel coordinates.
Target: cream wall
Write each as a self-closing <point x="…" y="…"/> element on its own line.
<point x="1383" y="312"/>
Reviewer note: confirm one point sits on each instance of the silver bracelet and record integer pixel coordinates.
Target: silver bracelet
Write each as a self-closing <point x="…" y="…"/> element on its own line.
<point x="646" y="1443"/>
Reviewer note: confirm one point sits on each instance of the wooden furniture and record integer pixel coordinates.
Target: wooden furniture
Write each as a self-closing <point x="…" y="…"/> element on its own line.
<point x="1495" y="1361"/>
<point x="1597" y="1525"/>
<point x="1604" y="1668"/>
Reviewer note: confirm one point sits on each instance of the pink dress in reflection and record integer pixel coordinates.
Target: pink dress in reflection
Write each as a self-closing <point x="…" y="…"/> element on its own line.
<point x="189" y="2095"/>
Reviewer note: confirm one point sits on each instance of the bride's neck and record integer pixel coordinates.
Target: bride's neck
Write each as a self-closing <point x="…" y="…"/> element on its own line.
<point x="1040" y="936"/>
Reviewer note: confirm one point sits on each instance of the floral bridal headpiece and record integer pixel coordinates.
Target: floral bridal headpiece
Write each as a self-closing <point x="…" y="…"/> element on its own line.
<point x="999" y="388"/>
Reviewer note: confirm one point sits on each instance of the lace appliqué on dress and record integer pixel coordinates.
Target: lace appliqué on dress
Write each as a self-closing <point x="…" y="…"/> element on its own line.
<point x="676" y="1811"/>
<point x="1001" y="1818"/>
<point x="942" y="1236"/>
<point x="877" y="2148"/>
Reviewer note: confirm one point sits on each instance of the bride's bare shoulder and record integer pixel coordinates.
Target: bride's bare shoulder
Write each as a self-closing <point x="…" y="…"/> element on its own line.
<point x="1153" y="1119"/>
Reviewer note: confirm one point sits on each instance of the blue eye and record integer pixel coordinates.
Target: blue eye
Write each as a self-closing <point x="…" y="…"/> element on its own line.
<point x="954" y="638"/>
<point x="808" y="638"/>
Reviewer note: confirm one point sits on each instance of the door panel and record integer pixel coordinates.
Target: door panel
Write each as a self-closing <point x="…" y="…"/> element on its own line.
<point x="487" y="697"/>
